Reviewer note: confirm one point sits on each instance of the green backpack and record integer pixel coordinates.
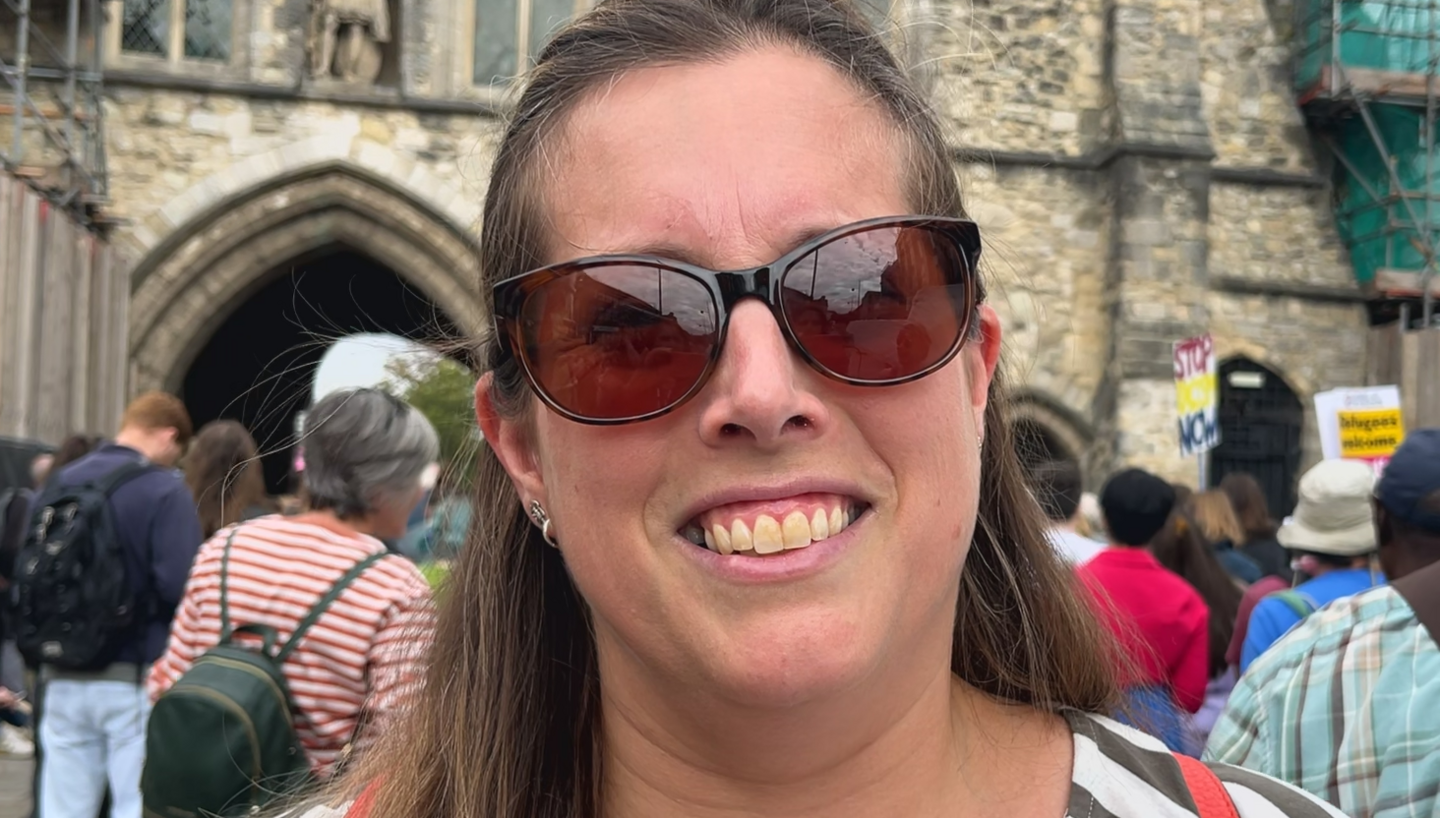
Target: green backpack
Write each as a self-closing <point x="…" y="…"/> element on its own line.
<point x="221" y="741"/>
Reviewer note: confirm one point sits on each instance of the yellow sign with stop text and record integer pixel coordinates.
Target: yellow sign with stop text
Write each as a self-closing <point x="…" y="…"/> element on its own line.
<point x="1370" y="433"/>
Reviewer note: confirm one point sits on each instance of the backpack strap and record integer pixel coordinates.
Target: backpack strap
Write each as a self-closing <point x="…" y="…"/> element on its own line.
<point x="1421" y="589"/>
<point x="1302" y="605"/>
<point x="1211" y="799"/>
<point x="122" y="475"/>
<point x="225" y="631"/>
<point x="324" y="603"/>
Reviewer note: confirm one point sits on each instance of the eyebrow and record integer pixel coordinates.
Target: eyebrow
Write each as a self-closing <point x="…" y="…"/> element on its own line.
<point x="675" y="252"/>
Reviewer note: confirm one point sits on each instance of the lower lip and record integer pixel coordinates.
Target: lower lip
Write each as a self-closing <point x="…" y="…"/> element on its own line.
<point x="786" y="566"/>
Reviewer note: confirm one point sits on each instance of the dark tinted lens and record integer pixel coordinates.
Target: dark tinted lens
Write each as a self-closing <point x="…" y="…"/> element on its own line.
<point x="881" y="304"/>
<point x="618" y="341"/>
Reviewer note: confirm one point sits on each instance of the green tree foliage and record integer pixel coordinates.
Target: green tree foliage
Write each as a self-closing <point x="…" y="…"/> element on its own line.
<point x="443" y="391"/>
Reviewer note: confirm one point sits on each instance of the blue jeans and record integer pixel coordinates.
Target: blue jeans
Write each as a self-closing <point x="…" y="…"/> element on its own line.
<point x="92" y="733"/>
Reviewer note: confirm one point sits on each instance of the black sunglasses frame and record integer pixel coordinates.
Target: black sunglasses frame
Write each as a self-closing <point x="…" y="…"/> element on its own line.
<point x="729" y="288"/>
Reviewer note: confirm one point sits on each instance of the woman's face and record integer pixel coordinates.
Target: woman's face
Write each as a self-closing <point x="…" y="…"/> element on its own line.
<point x="729" y="165"/>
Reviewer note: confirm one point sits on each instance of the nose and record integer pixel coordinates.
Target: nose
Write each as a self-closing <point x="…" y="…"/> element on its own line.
<point x="761" y="392"/>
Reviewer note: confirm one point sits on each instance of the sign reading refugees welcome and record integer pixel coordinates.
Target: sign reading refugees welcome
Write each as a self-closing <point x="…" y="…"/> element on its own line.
<point x="1196" y="392"/>
<point x="1362" y="423"/>
<point x="1370" y="433"/>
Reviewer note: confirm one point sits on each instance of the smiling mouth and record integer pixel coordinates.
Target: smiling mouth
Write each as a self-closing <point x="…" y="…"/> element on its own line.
<point x="730" y="530"/>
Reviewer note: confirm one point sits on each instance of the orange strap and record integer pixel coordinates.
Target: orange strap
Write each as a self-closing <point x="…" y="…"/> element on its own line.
<point x="1210" y="796"/>
<point x="361" y="807"/>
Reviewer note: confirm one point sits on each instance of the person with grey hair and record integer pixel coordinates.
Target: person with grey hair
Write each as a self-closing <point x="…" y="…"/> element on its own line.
<point x="366" y="453"/>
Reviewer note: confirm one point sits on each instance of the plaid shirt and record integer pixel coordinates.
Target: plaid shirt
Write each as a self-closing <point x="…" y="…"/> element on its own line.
<point x="1346" y="706"/>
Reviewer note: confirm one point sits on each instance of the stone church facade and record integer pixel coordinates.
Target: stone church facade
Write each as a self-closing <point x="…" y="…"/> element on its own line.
<point x="1138" y="167"/>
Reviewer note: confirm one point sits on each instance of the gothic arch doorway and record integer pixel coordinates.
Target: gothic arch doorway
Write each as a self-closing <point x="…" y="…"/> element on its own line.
<point x="234" y="310"/>
<point x="1043" y="430"/>
<point x="1261" y="419"/>
<point x="1036" y="444"/>
<point x="259" y="365"/>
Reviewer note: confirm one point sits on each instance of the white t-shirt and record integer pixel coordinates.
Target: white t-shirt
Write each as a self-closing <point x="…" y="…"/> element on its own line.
<point x="1073" y="547"/>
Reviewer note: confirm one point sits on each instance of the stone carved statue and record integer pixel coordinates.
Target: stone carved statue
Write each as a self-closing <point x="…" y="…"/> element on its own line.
<point x="345" y="38"/>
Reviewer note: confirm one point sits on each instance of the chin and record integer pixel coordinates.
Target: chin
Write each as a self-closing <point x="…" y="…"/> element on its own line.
<point x="777" y="670"/>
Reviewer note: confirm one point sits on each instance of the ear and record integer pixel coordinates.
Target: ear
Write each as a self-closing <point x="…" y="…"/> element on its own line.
<point x="982" y="357"/>
<point x="1383" y="533"/>
<point x="511" y="442"/>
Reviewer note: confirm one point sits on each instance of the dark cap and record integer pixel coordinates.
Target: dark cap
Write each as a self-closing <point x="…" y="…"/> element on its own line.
<point x="1136" y="504"/>
<point x="1411" y="478"/>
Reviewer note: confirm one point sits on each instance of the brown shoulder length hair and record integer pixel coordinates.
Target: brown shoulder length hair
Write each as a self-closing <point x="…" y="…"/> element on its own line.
<point x="1248" y="500"/>
<point x="507" y="723"/>
<point x="1216" y="518"/>
<point x="224" y="474"/>
<point x="1180" y="547"/>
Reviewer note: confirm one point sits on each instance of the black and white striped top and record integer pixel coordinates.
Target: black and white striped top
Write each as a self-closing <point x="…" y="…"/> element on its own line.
<point x="1120" y="772"/>
<point x="1124" y="773"/>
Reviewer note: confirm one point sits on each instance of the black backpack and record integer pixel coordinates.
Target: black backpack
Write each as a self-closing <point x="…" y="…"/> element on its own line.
<point x="14" y="522"/>
<point x="221" y="741"/>
<point x="74" y="606"/>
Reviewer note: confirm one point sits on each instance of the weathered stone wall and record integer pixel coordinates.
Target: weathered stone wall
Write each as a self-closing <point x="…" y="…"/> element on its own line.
<point x="1019" y="75"/>
<point x="1276" y="234"/>
<point x="1047" y="235"/>
<point x="1246" y="86"/>
<point x="163" y="143"/>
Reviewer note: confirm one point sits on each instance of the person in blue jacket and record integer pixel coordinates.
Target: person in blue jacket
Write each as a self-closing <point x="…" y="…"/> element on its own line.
<point x="1332" y="535"/>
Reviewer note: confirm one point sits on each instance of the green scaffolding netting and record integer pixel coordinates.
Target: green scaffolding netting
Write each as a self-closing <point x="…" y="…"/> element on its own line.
<point x="1384" y="219"/>
<point x="1384" y="223"/>
<point x="1384" y="36"/>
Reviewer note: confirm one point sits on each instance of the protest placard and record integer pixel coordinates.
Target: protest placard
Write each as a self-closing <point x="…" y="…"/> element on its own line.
<point x="1196" y="393"/>
<point x="1360" y="423"/>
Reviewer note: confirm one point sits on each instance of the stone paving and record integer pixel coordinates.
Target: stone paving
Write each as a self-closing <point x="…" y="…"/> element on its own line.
<point x="14" y="787"/>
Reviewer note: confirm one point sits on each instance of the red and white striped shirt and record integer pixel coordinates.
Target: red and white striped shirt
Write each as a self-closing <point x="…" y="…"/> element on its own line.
<point x="364" y="654"/>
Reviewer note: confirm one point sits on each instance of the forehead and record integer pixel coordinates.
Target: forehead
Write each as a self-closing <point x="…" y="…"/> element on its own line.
<point x="725" y="162"/>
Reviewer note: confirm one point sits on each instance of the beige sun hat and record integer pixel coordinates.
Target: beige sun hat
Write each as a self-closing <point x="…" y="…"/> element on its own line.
<point x="1335" y="515"/>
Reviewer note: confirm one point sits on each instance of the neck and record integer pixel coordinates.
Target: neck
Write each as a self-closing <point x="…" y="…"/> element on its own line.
<point x="1408" y="560"/>
<point x="1063" y="525"/>
<point x="929" y="746"/>
<point x="328" y="519"/>
<point x="1323" y="569"/>
<point x="138" y="440"/>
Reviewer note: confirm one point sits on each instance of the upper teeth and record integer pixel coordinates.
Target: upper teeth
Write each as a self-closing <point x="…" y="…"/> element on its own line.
<point x="771" y="536"/>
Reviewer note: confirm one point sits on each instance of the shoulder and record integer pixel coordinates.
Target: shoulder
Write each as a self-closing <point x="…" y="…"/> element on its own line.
<point x="168" y="484"/>
<point x="1347" y="624"/>
<point x="1260" y="796"/>
<point x="155" y="486"/>
<point x="1120" y="771"/>
<point x="1270" y="610"/>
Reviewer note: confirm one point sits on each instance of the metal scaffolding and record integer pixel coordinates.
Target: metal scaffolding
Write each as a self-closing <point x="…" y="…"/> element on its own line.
<point x="55" y="105"/>
<point x="1366" y="76"/>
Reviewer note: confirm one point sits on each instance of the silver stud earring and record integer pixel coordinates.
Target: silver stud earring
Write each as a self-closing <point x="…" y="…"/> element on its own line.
<point x="537" y="513"/>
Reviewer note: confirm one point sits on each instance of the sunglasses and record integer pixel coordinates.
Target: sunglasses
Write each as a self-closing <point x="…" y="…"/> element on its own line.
<point x="624" y="338"/>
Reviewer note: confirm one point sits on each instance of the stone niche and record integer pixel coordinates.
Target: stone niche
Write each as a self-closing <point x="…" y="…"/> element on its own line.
<point x="354" y="43"/>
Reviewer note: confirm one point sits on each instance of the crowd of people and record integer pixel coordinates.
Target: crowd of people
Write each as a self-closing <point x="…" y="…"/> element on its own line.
<point x="206" y="550"/>
<point x="1280" y="647"/>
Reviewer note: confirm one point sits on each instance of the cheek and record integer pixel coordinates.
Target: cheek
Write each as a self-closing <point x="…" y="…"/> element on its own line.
<point x="926" y="435"/>
<point x="598" y="482"/>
